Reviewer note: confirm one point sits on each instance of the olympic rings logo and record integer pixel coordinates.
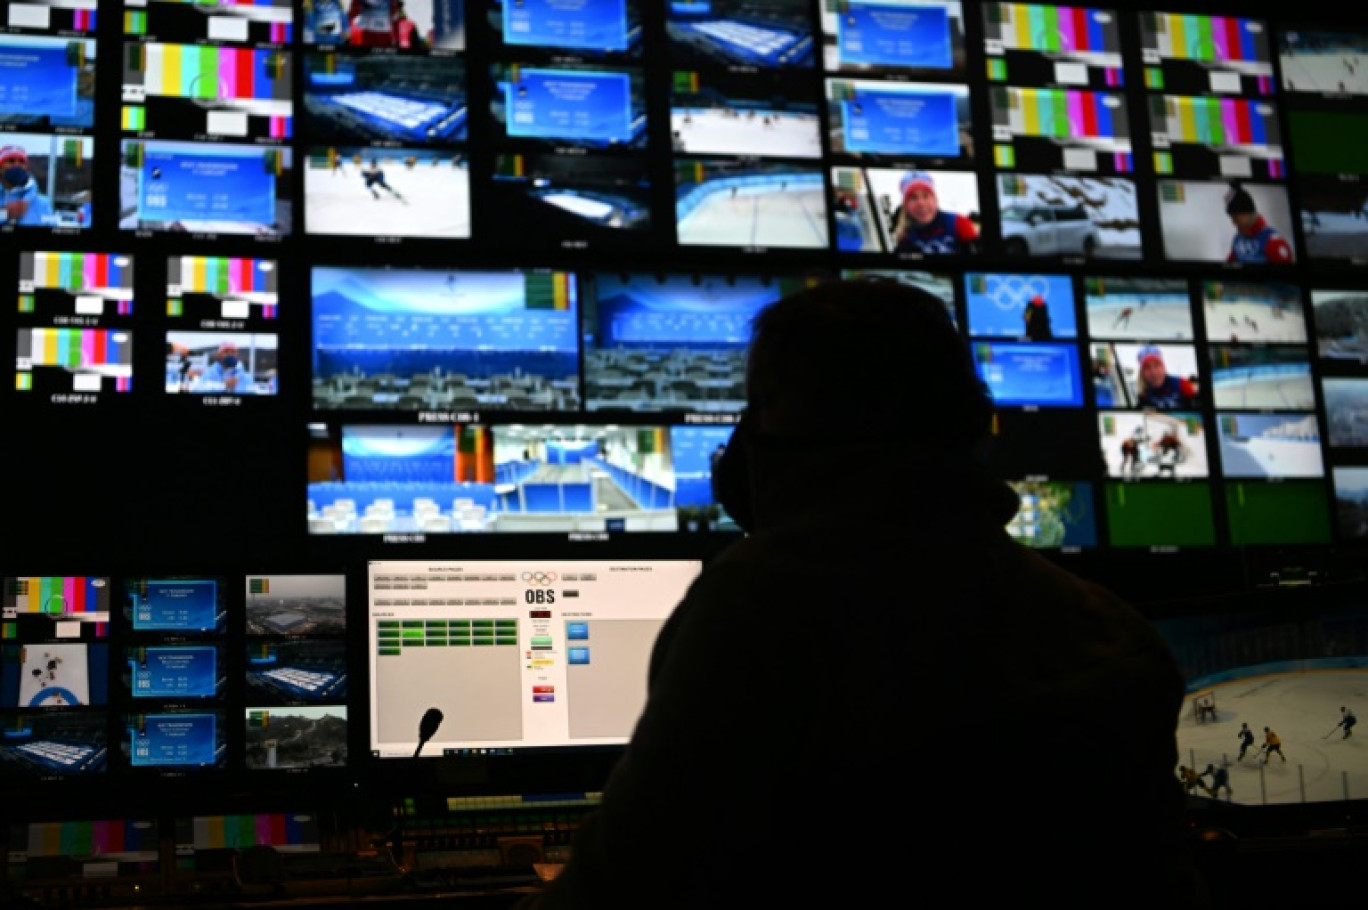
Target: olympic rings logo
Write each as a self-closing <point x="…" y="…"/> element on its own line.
<point x="539" y="578"/>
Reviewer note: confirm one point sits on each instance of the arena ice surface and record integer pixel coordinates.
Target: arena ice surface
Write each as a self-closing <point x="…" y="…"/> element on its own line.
<point x="435" y="203"/>
<point x="759" y="217"/>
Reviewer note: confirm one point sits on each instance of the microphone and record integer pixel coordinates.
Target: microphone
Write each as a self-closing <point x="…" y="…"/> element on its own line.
<point x="432" y="719"/>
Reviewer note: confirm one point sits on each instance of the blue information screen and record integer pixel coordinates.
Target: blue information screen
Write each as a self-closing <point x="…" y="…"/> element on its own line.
<point x="1030" y="373"/>
<point x="599" y="25"/>
<point x="36" y="78"/>
<point x="209" y="184"/>
<point x="177" y="605"/>
<point x="559" y="104"/>
<point x="996" y="303"/>
<point x="913" y="122"/>
<point x="174" y="739"/>
<point x="894" y="34"/>
<point x="175" y="671"/>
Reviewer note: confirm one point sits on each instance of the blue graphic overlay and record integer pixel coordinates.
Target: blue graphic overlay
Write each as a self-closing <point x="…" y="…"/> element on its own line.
<point x="598" y="25"/>
<point x="186" y="182"/>
<point x="894" y="34"/>
<point x="175" y="605"/>
<point x="895" y="120"/>
<point x="564" y="104"/>
<point x="995" y="303"/>
<point x="189" y="671"/>
<point x="40" y="81"/>
<point x="1040" y="374"/>
<point x="161" y="740"/>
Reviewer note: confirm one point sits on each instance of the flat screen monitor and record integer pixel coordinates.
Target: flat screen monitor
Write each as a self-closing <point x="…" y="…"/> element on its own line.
<point x="174" y="741"/>
<point x="54" y="17"/>
<point x="263" y="22"/>
<point x="205" y="188"/>
<point x="1054" y="514"/>
<point x="751" y="34"/>
<point x="58" y="192"/>
<point x="1053" y="129"/>
<point x="445" y="340"/>
<point x="385" y="99"/>
<point x="1216" y="136"/>
<point x="47" y="83"/>
<point x="407" y="192"/>
<point x="1030" y="374"/>
<point x="222" y="364"/>
<point x="122" y="850"/>
<point x="1322" y="61"/>
<point x="586" y="106"/>
<point x="557" y="649"/>
<point x="1069" y="216"/>
<point x="906" y="38"/>
<point x="197" y="91"/>
<point x="925" y="121"/>
<point x="749" y="204"/>
<point x="1199" y="54"/>
<point x="1253" y="311"/>
<point x="1341" y="318"/>
<point x="404" y="480"/>
<point x="870" y="217"/>
<point x="608" y="28"/>
<point x="1194" y="225"/>
<point x="1045" y="44"/>
<point x="1264" y="377"/>
<point x="428" y="25"/>
<point x="222" y="290"/>
<point x="1124" y="307"/>
<point x="767" y="114"/>
<point x="1004" y="304"/>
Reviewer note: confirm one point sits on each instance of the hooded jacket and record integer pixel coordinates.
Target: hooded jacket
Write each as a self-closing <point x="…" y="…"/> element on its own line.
<point x="878" y="695"/>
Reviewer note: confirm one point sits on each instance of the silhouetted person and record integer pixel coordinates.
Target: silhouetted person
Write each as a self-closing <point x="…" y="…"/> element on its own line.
<point x="811" y="687"/>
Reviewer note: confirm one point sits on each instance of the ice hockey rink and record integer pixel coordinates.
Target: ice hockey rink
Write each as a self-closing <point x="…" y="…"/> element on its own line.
<point x="726" y="132"/>
<point x="1303" y="709"/>
<point x="758" y="217"/>
<point x="433" y="201"/>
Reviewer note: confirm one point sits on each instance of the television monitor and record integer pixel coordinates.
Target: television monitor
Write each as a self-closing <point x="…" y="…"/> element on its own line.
<point x="996" y="303"/>
<point x="936" y="283"/>
<point x="286" y="832"/>
<point x="556" y="648"/>
<point x="1159" y="516"/>
<point x="190" y="606"/>
<point x="73" y="365"/>
<point x="386" y="99"/>
<point x="444" y="340"/>
<point x="174" y="741"/>
<point x="222" y="290"/>
<point x="1015" y="452"/>
<point x="1332" y="183"/>
<point x="1281" y="659"/>
<point x="258" y="23"/>
<point x="198" y="91"/>
<point x="1346" y="411"/>
<point x="609" y="28"/>
<point x="295" y="738"/>
<point x="406" y="192"/>
<point x="906" y="38"/>
<point x="205" y="188"/>
<point x="425" y="25"/>
<point x="1253" y="311"/>
<point x="60" y="188"/>
<point x="1262" y="377"/>
<point x="569" y="105"/>
<point x="1277" y="511"/>
<point x="124" y="854"/>
<point x="657" y="342"/>
<point x="1047" y="44"/>
<point x="284" y="606"/>
<point x="47" y="83"/>
<point x="1323" y="61"/>
<point x="749" y="204"/>
<point x="1200" y="54"/>
<point x="54" y="17"/>
<point x="1194" y="226"/>
<point x="1216" y="136"/>
<point x="577" y="202"/>
<point x="1063" y="215"/>
<point x="1052" y="129"/>
<point x="201" y="363"/>
<point x="1124" y="307"/>
<point x="1117" y="378"/>
<point x="923" y="121"/>
<point x="54" y="676"/>
<point x="1341" y="320"/>
<point x="68" y="287"/>
<point x="181" y="672"/>
<point x="1254" y="444"/>
<point x="297" y="671"/>
<point x="1039" y="374"/>
<point x="696" y="449"/>
<point x="766" y="114"/>
<point x="1153" y="445"/>
<point x="1054" y="514"/>
<point x="758" y="34"/>
<point x="867" y="202"/>
<point x="415" y="480"/>
<point x="1351" y="501"/>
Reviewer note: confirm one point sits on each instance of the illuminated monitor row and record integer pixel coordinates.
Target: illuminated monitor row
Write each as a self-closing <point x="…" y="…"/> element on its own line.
<point x="137" y="674"/>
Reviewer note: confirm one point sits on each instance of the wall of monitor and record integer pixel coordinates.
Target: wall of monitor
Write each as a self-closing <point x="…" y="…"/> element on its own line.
<point x="301" y="287"/>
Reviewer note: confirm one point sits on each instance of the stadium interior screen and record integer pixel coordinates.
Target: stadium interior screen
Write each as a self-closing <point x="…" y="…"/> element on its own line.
<point x="556" y="648"/>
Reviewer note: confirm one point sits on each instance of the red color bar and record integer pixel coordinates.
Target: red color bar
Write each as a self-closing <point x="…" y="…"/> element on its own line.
<point x="246" y="73"/>
<point x="1231" y="26"/>
<point x="1089" y="107"/>
<point x="1245" y="131"/>
<point x="1079" y="15"/>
